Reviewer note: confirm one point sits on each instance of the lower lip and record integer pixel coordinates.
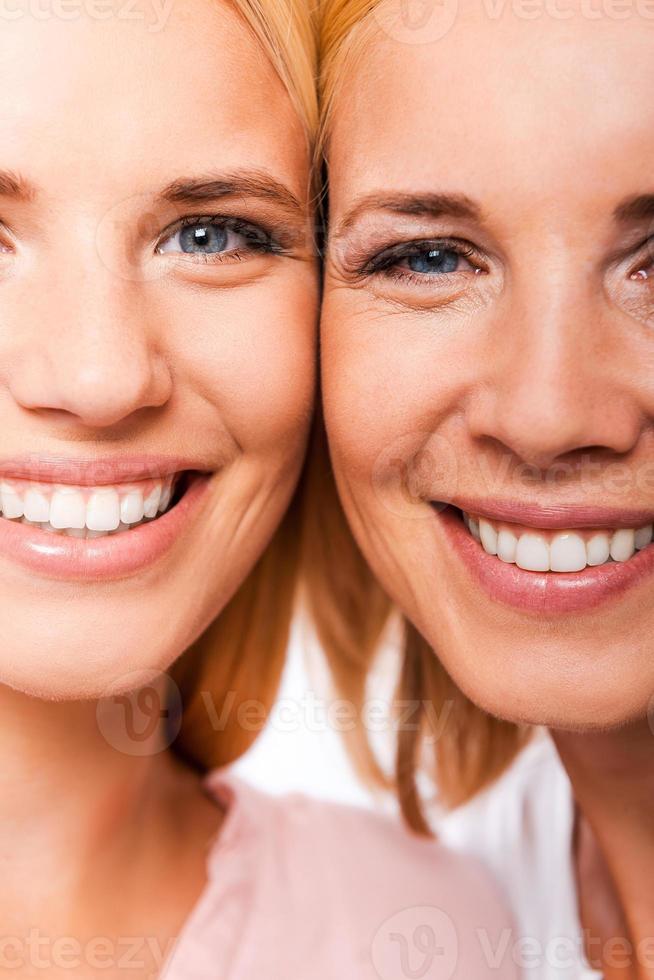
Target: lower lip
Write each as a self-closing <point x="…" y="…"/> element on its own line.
<point x="545" y="592"/>
<point x="100" y="559"/>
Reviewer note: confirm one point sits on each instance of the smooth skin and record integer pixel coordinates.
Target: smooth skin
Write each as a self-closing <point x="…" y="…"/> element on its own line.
<point x="112" y="342"/>
<point x="522" y="369"/>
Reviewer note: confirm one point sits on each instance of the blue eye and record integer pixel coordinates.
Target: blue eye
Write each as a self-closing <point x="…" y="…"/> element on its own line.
<point x="203" y="238"/>
<point x="434" y="261"/>
<point x="214" y="237"/>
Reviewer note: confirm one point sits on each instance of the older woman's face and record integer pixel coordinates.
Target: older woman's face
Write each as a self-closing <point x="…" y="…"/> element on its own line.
<point x="488" y="351"/>
<point x="158" y="297"/>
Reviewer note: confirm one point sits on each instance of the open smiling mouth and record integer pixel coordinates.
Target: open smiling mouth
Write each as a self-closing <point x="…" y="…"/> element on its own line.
<point x="100" y="531"/>
<point x="556" y="550"/>
<point x="552" y="570"/>
<point x="90" y="512"/>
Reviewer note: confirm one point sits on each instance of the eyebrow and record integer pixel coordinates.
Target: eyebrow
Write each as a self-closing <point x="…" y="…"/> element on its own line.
<point x="251" y="183"/>
<point x="429" y="205"/>
<point x="12" y="185"/>
<point x="640" y="207"/>
<point x="190" y="190"/>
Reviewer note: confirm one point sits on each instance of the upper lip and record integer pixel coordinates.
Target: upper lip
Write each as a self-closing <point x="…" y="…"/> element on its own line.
<point x="96" y="471"/>
<point x="554" y="515"/>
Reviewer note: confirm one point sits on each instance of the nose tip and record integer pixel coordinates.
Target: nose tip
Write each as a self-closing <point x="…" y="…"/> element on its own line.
<point x="99" y="394"/>
<point x="546" y="421"/>
<point x="100" y="363"/>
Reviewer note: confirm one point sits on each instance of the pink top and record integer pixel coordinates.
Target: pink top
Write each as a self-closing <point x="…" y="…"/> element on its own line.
<point x="316" y="891"/>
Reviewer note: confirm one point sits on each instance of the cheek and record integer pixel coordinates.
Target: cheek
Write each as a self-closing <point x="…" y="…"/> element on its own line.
<point x="251" y="355"/>
<point x="382" y="390"/>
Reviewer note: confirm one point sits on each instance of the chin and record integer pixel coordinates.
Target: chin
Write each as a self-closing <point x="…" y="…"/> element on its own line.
<point x="542" y="681"/>
<point x="72" y="661"/>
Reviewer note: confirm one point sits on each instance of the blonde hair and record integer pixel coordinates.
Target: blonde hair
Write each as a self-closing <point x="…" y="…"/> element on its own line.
<point x="286" y="29"/>
<point x="237" y="662"/>
<point x="349" y="607"/>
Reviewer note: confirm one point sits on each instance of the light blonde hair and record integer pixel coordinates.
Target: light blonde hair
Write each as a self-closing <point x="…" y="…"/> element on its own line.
<point x="348" y="606"/>
<point x="238" y="660"/>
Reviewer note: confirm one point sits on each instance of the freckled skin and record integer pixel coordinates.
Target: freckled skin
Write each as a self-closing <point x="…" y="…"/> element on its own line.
<point x="532" y="380"/>
<point x="107" y="347"/>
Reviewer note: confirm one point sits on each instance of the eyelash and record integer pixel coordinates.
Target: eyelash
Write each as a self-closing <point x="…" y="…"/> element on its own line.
<point x="647" y="261"/>
<point x="386" y="262"/>
<point x="260" y="240"/>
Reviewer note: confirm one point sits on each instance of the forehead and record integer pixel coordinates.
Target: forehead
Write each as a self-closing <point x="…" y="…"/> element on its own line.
<point x="101" y="100"/>
<point x="500" y="104"/>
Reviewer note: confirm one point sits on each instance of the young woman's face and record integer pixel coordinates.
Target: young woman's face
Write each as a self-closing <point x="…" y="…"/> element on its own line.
<point x="158" y="297"/>
<point x="488" y="344"/>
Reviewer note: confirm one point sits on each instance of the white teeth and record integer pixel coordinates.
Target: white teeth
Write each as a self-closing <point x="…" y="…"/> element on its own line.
<point x="598" y="549"/>
<point x="532" y="553"/>
<point x="12" y="505"/>
<point x="474" y="528"/>
<point x="506" y="545"/>
<point x="79" y="512"/>
<point x="151" y="505"/>
<point x="76" y="532"/>
<point x="103" y="511"/>
<point x="131" y="508"/>
<point x="25" y="520"/>
<point x="622" y="545"/>
<point x="567" y="552"/>
<point x="46" y="526"/>
<point x="488" y="536"/>
<point x="166" y="494"/>
<point x="37" y="507"/>
<point x="68" y="509"/>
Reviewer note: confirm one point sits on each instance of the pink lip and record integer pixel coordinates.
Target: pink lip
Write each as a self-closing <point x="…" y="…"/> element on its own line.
<point x="554" y="516"/>
<point x="94" y="472"/>
<point x="101" y="559"/>
<point x="537" y="592"/>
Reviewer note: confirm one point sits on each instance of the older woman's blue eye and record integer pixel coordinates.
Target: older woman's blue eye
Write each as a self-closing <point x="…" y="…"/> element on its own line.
<point x="203" y="238"/>
<point x="434" y="261"/>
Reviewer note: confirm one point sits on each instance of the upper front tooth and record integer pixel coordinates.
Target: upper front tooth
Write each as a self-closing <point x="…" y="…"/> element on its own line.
<point x="643" y="537"/>
<point x="131" y="507"/>
<point x="532" y="553"/>
<point x="12" y="504"/>
<point x="568" y="553"/>
<point x="151" y="505"/>
<point x="506" y="545"/>
<point x="37" y="506"/>
<point x="488" y="536"/>
<point x="103" y="511"/>
<point x="622" y="544"/>
<point x="598" y="549"/>
<point x="67" y="509"/>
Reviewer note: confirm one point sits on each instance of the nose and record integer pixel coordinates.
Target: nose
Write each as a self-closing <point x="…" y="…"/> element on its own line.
<point x="81" y="343"/>
<point x="557" y="378"/>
